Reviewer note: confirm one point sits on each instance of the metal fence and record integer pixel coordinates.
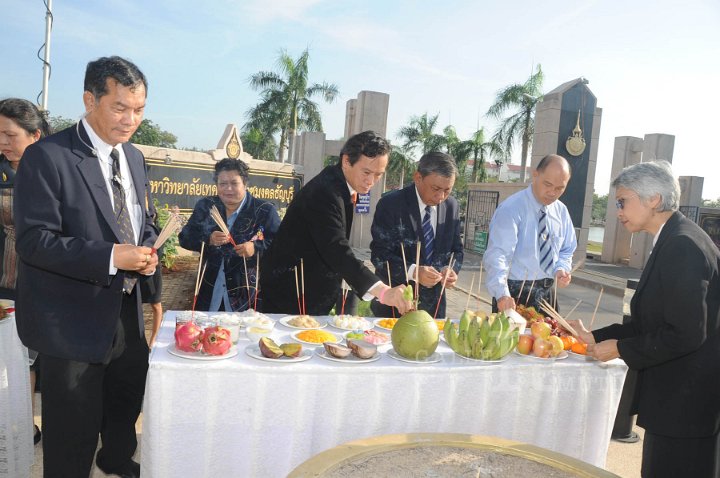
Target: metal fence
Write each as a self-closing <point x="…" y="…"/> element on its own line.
<point x="691" y="212"/>
<point x="481" y="206"/>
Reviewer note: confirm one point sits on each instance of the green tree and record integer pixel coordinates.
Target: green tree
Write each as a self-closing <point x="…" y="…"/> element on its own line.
<point x="420" y="134"/>
<point x="286" y="105"/>
<point x="599" y="208"/>
<point x="400" y="168"/>
<point x="520" y="100"/>
<point x="59" y="123"/>
<point x="150" y="134"/>
<point x="258" y="144"/>
<point x="711" y="203"/>
<point x="460" y="150"/>
<point x="482" y="151"/>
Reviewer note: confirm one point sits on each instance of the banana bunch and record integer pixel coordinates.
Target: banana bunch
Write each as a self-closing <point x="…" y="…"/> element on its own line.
<point x="487" y="338"/>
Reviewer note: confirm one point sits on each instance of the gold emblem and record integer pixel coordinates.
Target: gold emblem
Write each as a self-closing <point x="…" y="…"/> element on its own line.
<point x="575" y="144"/>
<point x="233" y="148"/>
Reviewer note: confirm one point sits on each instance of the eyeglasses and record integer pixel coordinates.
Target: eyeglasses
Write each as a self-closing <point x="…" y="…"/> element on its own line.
<point x="620" y="203"/>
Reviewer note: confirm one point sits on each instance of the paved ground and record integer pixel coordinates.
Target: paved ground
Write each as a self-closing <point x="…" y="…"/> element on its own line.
<point x="623" y="459"/>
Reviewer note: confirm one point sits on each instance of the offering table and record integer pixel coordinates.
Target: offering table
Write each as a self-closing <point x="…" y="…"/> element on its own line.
<point x="244" y="417"/>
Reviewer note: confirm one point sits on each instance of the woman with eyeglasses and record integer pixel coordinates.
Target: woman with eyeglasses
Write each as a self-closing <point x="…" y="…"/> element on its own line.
<point x="673" y="339"/>
<point x="21" y="124"/>
<point x="252" y="224"/>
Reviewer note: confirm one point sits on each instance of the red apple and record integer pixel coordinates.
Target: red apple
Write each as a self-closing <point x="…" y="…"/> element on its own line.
<point x="542" y="348"/>
<point x="540" y="330"/>
<point x="525" y="344"/>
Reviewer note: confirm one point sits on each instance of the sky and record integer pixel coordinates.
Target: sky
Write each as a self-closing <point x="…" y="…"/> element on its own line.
<point x="654" y="66"/>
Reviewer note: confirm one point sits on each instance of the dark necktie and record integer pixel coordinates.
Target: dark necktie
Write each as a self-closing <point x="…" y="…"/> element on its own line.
<point x="545" y="254"/>
<point x="122" y="216"/>
<point x="428" y="235"/>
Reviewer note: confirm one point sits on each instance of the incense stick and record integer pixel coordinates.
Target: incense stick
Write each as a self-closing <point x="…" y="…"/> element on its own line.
<point x="472" y="283"/>
<point x="479" y="285"/>
<point x="577" y="266"/>
<point x="387" y="264"/>
<point x="402" y="249"/>
<point x="197" y="277"/>
<point x="257" y="281"/>
<point x="522" y="286"/>
<point x="217" y="217"/>
<point x="247" y="281"/>
<point x="297" y="291"/>
<point x="573" y="309"/>
<point x="529" y="293"/>
<point x="197" y="289"/>
<point x="442" y="289"/>
<point x="417" y="274"/>
<point x="302" y="285"/>
<point x="597" y="304"/>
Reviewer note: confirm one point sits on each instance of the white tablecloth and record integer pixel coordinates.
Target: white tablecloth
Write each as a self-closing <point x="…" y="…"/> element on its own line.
<point x="16" y="445"/>
<point x="245" y="417"/>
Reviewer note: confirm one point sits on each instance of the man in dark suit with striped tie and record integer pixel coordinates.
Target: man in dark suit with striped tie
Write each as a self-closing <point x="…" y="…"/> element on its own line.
<point x="422" y="211"/>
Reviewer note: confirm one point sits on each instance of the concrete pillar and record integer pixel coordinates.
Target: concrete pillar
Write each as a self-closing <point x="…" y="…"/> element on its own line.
<point x="691" y="188"/>
<point x="616" y="242"/>
<point x="310" y="154"/>
<point x="655" y="146"/>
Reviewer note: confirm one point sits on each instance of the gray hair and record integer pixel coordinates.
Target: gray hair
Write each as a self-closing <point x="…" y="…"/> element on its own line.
<point x="437" y="163"/>
<point x="650" y="179"/>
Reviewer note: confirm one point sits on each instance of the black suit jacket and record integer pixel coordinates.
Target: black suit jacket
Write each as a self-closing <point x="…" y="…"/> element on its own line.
<point x="673" y="340"/>
<point x="67" y="302"/>
<point x="255" y="213"/>
<point x="398" y="223"/>
<point x="316" y="228"/>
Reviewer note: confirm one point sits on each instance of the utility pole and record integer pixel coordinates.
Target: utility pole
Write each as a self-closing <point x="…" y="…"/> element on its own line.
<point x="46" y="56"/>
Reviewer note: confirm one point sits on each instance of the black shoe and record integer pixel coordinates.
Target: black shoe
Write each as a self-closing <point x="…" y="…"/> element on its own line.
<point x="38" y="435"/>
<point x="631" y="438"/>
<point x="129" y="470"/>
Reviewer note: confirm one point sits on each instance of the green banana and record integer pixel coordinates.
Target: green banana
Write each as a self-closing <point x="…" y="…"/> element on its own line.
<point x="465" y="319"/>
<point x="450" y="333"/>
<point x="485" y="330"/>
<point x="473" y="331"/>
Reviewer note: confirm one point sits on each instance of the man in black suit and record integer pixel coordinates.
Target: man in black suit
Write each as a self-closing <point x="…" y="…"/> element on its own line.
<point x="423" y="210"/>
<point x="316" y="228"/>
<point x="673" y="339"/>
<point x="83" y="236"/>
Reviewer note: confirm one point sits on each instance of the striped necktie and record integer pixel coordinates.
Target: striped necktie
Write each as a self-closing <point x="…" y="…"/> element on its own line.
<point x="544" y="245"/>
<point x="428" y="235"/>
<point x="122" y="216"/>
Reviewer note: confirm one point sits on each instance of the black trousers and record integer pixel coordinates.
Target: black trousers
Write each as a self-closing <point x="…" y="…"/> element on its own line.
<point x="82" y="400"/>
<point x="680" y="457"/>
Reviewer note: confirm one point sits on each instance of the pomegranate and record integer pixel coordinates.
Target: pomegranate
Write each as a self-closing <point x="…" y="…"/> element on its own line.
<point x="216" y="341"/>
<point x="188" y="337"/>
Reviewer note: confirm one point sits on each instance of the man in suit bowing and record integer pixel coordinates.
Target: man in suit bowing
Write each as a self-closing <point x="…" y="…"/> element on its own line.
<point x="316" y="229"/>
<point x="423" y="211"/>
<point x="83" y="236"/>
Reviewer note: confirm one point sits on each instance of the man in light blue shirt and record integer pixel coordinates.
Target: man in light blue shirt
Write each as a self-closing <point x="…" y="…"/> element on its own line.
<point x="532" y="240"/>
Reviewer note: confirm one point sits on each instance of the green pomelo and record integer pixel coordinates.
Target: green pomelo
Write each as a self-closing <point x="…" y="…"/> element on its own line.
<point x="415" y="336"/>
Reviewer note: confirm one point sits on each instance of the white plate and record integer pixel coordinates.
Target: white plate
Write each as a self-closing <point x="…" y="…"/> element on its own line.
<point x="368" y="325"/>
<point x="288" y="318"/>
<point x="484" y="362"/>
<point x="313" y="344"/>
<point x="7" y="303"/>
<point x="254" y="352"/>
<point x="435" y="357"/>
<point x="563" y="355"/>
<point x="376" y="323"/>
<point x="322" y="353"/>
<point x="201" y="356"/>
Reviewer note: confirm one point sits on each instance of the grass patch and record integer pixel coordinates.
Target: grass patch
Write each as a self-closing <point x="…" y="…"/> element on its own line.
<point x="594" y="247"/>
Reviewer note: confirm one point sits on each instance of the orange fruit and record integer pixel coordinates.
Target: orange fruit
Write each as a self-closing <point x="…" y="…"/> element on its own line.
<point x="568" y="341"/>
<point x="579" y="348"/>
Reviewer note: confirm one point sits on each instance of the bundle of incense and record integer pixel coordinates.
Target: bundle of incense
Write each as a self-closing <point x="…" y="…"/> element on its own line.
<point x="344" y="297"/>
<point x="217" y="217"/>
<point x="171" y="227"/>
<point x="442" y="289"/>
<point x="555" y="315"/>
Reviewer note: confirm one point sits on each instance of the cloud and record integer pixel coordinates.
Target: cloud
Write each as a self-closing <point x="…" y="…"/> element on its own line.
<point x="263" y="11"/>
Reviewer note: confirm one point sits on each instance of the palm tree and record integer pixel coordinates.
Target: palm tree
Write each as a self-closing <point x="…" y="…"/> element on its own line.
<point x="481" y="152"/>
<point x="399" y="164"/>
<point x="258" y="144"/>
<point x="286" y="105"/>
<point x="460" y="150"/>
<point x="520" y="125"/>
<point x="419" y="133"/>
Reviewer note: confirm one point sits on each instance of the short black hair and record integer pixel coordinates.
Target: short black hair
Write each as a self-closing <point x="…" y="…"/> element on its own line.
<point x="119" y="69"/>
<point x="229" y="164"/>
<point x="436" y="162"/>
<point x="367" y="143"/>
<point x="26" y="115"/>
